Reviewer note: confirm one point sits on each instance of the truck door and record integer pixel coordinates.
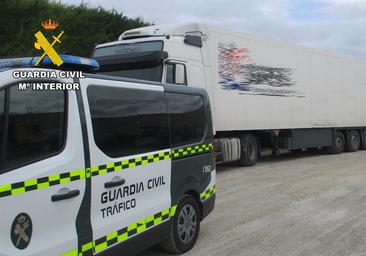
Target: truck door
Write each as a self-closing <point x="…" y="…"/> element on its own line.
<point x="130" y="159"/>
<point x="41" y="171"/>
<point x="175" y="72"/>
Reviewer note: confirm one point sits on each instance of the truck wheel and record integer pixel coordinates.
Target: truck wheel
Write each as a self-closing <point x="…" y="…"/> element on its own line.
<point x="249" y="150"/>
<point x="185" y="227"/>
<point x="339" y="144"/>
<point x="363" y="141"/>
<point x="353" y="141"/>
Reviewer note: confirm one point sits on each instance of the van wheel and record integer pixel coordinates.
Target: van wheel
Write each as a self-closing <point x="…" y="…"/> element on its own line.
<point x="185" y="227"/>
<point x="339" y="144"/>
<point x="353" y="141"/>
<point x="249" y="150"/>
<point x="363" y="141"/>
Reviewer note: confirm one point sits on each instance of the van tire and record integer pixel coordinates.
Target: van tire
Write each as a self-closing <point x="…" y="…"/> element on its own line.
<point x="339" y="144"/>
<point x="353" y="141"/>
<point x="249" y="150"/>
<point x="174" y="244"/>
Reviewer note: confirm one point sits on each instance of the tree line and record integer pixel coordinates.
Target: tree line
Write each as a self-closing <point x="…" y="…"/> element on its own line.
<point x="84" y="26"/>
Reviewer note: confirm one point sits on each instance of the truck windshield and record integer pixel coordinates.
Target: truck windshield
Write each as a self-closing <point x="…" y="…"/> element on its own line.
<point x="141" y="60"/>
<point x="128" y="48"/>
<point x="152" y="73"/>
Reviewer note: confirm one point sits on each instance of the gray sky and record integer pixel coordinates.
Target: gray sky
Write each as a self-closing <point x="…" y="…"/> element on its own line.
<point x="338" y="26"/>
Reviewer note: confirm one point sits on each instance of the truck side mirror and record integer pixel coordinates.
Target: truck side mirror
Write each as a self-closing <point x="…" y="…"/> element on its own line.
<point x="193" y="40"/>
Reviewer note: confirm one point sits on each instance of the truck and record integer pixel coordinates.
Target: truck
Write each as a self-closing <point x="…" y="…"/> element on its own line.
<point x="264" y="94"/>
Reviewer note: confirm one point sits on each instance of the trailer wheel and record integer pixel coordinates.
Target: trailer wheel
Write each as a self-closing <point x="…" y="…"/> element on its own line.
<point x="339" y="144"/>
<point x="249" y="150"/>
<point x="184" y="228"/>
<point x="353" y="141"/>
<point x="363" y="141"/>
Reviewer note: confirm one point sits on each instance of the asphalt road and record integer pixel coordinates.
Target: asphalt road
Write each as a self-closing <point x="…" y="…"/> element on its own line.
<point x="296" y="204"/>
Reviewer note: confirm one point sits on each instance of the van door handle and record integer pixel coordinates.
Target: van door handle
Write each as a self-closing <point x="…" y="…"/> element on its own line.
<point x="114" y="183"/>
<point x="65" y="196"/>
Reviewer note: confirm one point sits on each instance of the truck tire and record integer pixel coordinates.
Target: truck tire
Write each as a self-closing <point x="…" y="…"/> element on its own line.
<point x="339" y="144"/>
<point x="184" y="228"/>
<point x="249" y="150"/>
<point x="363" y="141"/>
<point x="353" y="141"/>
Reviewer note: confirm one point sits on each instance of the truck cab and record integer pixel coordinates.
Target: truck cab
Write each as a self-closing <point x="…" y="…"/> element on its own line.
<point x="157" y="53"/>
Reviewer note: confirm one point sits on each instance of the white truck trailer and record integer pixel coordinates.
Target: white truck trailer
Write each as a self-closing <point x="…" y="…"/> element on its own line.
<point x="264" y="94"/>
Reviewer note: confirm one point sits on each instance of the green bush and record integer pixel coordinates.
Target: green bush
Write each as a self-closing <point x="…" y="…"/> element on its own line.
<point x="83" y="27"/>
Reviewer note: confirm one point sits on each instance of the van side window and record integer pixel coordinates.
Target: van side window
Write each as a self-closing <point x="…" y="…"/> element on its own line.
<point x="127" y="125"/>
<point x="35" y="128"/>
<point x="187" y="118"/>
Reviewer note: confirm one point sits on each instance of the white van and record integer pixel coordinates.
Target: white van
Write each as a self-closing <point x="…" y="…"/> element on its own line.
<point x="109" y="169"/>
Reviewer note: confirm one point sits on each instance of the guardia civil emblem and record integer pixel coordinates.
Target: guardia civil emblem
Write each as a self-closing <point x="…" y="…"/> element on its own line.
<point x="21" y="231"/>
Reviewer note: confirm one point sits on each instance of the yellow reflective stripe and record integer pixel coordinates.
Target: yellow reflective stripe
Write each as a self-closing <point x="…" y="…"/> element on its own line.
<point x="87" y="247"/>
<point x="73" y="252"/>
<point x="173" y="210"/>
<point x="5" y="188"/>
<point x="129" y="163"/>
<point x="100" y="247"/>
<point x="182" y="152"/>
<point x="208" y="193"/>
<point x="65" y="178"/>
<point x="17" y="191"/>
<point x="30" y="183"/>
<point x="40" y="183"/>
<point x="131" y="230"/>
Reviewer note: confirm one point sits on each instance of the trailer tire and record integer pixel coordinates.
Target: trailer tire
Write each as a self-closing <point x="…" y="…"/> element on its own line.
<point x="353" y="141"/>
<point x="176" y="242"/>
<point x="363" y="141"/>
<point x="249" y="150"/>
<point x="339" y="144"/>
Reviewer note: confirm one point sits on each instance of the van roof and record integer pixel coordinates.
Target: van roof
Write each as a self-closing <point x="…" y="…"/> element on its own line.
<point x="70" y="62"/>
<point x="167" y="87"/>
